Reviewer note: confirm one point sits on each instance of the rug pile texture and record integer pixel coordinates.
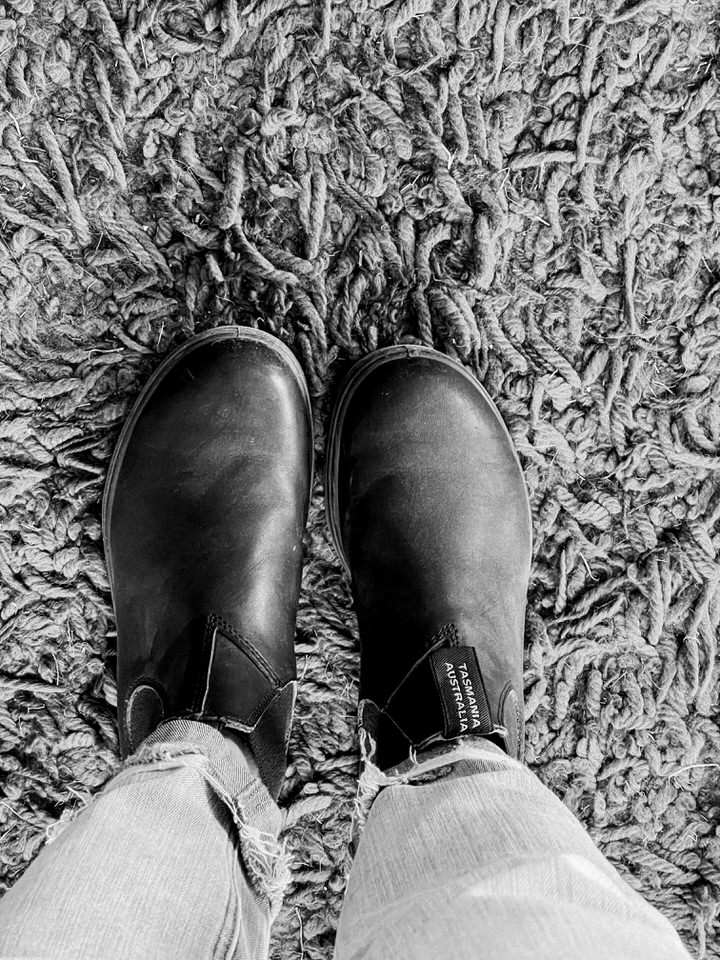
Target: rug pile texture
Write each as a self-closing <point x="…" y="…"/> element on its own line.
<point x="532" y="187"/>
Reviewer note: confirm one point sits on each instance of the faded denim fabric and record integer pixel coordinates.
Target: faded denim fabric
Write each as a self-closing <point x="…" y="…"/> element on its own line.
<point x="481" y="860"/>
<point x="178" y="858"/>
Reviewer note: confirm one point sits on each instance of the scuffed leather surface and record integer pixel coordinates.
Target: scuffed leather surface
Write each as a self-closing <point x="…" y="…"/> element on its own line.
<point x="435" y="522"/>
<point x="206" y="526"/>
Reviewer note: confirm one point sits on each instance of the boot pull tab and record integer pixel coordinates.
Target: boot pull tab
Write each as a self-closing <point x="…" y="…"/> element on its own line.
<point x="460" y="686"/>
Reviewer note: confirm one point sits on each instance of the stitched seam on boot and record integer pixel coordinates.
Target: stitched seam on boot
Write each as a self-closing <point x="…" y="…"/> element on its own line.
<point x="435" y="643"/>
<point x="448" y="633"/>
<point x="202" y="716"/>
<point x="394" y="722"/>
<point x="247" y="647"/>
<point x="214" y="623"/>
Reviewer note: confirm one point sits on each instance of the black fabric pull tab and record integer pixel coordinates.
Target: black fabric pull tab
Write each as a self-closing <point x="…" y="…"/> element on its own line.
<point x="462" y="692"/>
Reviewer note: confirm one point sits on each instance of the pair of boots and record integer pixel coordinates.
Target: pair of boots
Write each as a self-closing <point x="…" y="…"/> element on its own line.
<point x="203" y="517"/>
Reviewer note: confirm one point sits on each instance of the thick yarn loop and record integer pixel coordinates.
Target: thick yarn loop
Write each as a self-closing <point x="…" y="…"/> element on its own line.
<point x="529" y="186"/>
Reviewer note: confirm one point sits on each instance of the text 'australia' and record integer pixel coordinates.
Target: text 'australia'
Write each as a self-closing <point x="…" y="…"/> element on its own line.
<point x="464" y="695"/>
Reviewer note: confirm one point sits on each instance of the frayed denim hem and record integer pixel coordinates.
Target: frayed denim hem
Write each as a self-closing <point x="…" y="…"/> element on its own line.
<point x="443" y="759"/>
<point x="255" y="816"/>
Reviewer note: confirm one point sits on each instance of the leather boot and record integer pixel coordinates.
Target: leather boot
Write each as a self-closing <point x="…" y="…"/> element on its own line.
<point x="428" y="511"/>
<point x="203" y="516"/>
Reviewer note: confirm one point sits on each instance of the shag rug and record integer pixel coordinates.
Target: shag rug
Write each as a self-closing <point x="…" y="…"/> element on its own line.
<point x="533" y="187"/>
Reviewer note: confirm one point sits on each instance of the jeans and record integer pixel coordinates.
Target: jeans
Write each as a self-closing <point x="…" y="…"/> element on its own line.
<point x="463" y="854"/>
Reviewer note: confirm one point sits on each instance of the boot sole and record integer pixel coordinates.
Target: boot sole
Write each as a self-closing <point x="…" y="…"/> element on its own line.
<point x="248" y="334"/>
<point x="358" y="373"/>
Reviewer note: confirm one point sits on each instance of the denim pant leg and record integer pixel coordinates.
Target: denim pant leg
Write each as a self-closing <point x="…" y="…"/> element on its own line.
<point x="176" y="858"/>
<point x="484" y="861"/>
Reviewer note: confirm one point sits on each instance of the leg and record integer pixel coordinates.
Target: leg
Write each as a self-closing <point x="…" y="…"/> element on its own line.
<point x="177" y="857"/>
<point x="486" y="855"/>
<point x="203" y="517"/>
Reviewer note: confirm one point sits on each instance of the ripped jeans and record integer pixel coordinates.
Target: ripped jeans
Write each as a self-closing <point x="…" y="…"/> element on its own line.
<point x="178" y="857"/>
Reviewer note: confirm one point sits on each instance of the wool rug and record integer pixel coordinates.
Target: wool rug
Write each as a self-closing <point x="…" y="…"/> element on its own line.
<point x="533" y="187"/>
